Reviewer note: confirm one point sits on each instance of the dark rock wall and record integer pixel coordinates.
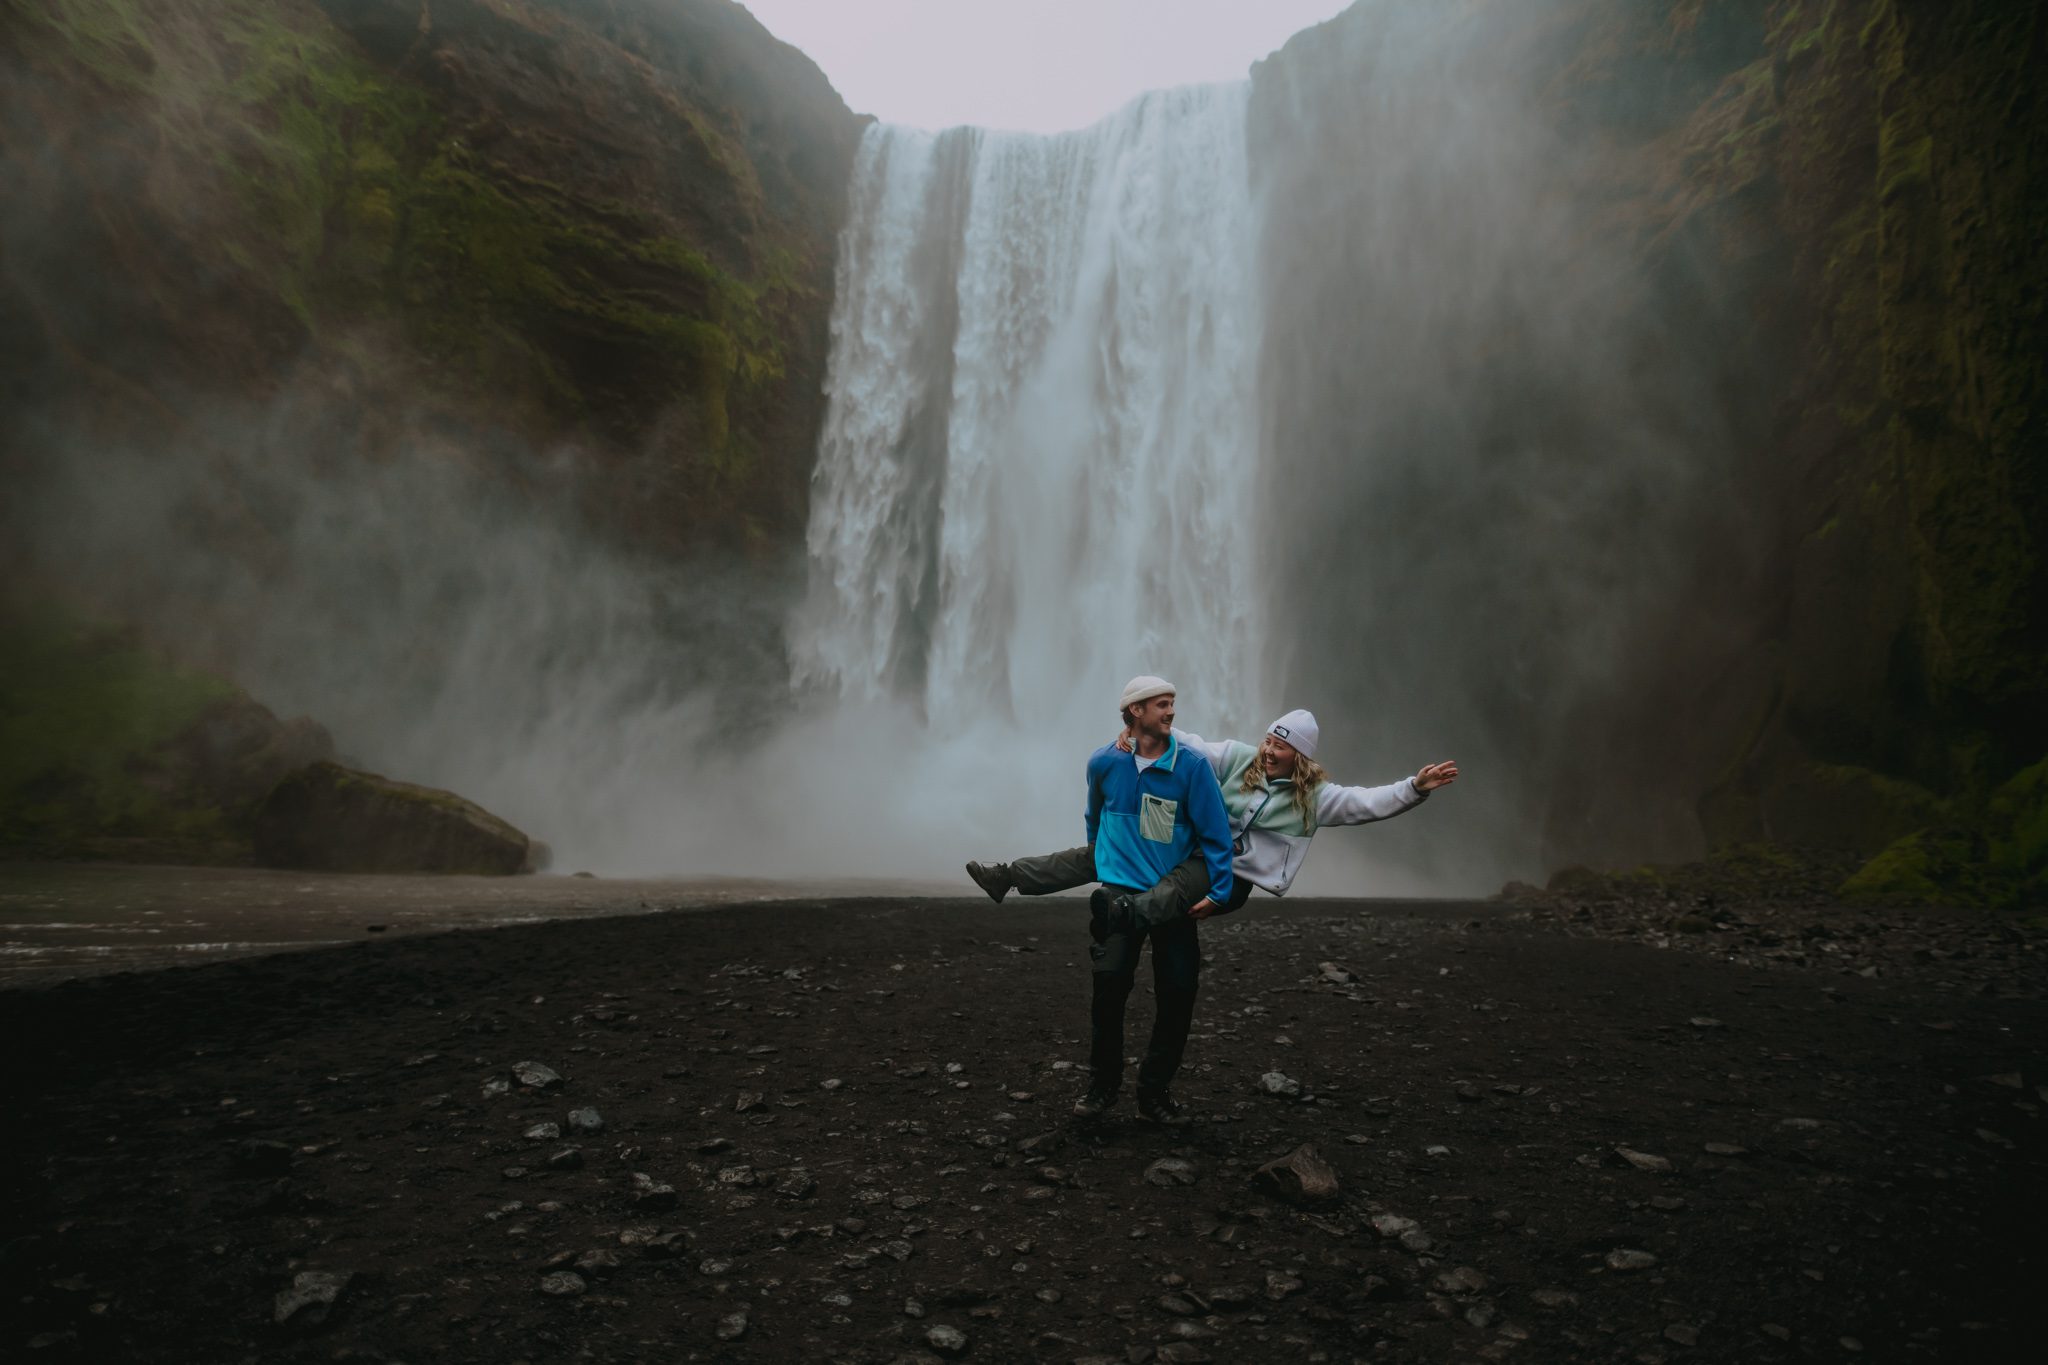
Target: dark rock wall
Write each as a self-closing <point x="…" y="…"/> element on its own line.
<point x="1678" y="396"/>
<point x="596" y="231"/>
<point x="1908" y="178"/>
<point x="338" y="338"/>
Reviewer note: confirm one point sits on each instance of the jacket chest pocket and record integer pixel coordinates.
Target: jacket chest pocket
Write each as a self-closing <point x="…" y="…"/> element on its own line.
<point x="1155" y="818"/>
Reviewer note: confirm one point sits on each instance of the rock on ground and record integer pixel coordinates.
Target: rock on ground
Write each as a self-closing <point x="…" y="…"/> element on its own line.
<point x="330" y="818"/>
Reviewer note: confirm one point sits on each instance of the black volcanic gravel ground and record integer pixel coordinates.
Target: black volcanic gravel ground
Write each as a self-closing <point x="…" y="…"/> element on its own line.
<point x="859" y="1106"/>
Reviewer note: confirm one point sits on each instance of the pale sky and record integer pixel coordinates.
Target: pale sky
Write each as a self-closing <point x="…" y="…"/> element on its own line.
<point x="1029" y="65"/>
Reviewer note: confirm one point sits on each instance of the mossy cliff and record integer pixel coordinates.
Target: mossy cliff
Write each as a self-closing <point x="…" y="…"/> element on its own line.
<point x="1908" y="174"/>
<point x="580" y="251"/>
<point x="597" y="226"/>
<point x="110" y="750"/>
<point x="1902" y="174"/>
<point x="1814" y="227"/>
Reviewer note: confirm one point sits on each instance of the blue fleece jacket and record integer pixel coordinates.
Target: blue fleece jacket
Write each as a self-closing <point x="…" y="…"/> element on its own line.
<point x="1144" y="824"/>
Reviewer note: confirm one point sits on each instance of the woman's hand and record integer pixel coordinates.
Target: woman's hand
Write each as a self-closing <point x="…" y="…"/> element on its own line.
<point x="1434" y="775"/>
<point x="1124" y="742"/>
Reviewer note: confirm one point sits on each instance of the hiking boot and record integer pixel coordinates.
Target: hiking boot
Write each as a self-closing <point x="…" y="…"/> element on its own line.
<point x="1094" y="1104"/>
<point x="994" y="880"/>
<point x="1158" y="1106"/>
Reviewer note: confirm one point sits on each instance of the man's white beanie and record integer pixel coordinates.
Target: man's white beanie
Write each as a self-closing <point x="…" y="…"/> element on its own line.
<point x="1144" y="687"/>
<point x="1299" y="729"/>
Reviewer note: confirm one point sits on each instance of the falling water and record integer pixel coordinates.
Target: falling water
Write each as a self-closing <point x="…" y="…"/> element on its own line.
<point x="1037" y="464"/>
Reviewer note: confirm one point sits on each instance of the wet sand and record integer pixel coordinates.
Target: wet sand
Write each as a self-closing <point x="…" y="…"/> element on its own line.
<point x="65" y="920"/>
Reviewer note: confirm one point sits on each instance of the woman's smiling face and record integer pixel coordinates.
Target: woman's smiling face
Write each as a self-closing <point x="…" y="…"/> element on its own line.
<point x="1278" y="756"/>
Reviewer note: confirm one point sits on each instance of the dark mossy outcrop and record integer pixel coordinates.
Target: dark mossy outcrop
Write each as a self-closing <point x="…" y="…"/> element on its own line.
<point x="1991" y="853"/>
<point x="1809" y="231"/>
<point x="1745" y="875"/>
<point x="600" y="227"/>
<point x="110" y="750"/>
<point x="330" y="818"/>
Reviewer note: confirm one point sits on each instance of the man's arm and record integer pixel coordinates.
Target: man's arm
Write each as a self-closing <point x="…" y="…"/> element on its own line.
<point x="1092" y="815"/>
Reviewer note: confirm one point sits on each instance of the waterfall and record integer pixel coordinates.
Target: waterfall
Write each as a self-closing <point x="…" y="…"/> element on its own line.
<point x="1037" y="464"/>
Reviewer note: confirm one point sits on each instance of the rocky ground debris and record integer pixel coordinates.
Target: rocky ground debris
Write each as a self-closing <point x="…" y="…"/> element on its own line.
<point x="1535" y="1150"/>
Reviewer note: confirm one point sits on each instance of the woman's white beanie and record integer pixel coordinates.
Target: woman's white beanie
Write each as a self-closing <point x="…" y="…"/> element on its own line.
<point x="1299" y="729"/>
<point x="1144" y="687"/>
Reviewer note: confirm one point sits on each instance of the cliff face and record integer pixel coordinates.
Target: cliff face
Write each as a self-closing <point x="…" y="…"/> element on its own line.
<point x="1653" y="391"/>
<point x="386" y="356"/>
<point x="1904" y="177"/>
<point x="600" y="227"/>
<point x="1730" y="414"/>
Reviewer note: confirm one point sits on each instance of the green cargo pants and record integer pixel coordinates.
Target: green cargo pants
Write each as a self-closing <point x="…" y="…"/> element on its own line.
<point x="1167" y="900"/>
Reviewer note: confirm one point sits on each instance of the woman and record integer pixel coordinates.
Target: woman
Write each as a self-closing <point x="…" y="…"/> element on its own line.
<point x="1277" y="797"/>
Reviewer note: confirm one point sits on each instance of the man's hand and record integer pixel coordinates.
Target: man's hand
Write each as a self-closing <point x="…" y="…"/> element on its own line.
<point x="1202" y="909"/>
<point x="1434" y="775"/>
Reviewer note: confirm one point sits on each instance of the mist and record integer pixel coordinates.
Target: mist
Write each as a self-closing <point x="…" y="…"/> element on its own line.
<point x="1495" y="439"/>
<point x="1338" y="388"/>
<point x="1464" y="493"/>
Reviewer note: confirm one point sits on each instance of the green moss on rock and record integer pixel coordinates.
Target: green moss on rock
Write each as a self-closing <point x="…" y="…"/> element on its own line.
<point x="1934" y="265"/>
<point x="379" y="177"/>
<point x="2018" y="816"/>
<point x="85" y="710"/>
<point x="489" y="260"/>
<point x="1905" y="181"/>
<point x="110" y="37"/>
<point x="1996" y="858"/>
<point x="1914" y="870"/>
<point x="109" y="749"/>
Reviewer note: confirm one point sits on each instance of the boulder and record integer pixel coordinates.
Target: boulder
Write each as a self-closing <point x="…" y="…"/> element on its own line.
<point x="1302" y="1175"/>
<point x="311" y="1299"/>
<point x="330" y="818"/>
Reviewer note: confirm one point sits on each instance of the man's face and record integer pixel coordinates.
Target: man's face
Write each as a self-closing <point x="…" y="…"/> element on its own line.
<point x="1279" y="756"/>
<point x="1153" y="716"/>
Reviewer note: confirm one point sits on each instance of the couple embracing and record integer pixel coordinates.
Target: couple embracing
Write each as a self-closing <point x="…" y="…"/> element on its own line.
<point x="1179" y="829"/>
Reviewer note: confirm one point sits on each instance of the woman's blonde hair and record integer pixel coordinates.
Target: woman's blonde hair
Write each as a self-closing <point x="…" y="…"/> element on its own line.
<point x="1308" y="776"/>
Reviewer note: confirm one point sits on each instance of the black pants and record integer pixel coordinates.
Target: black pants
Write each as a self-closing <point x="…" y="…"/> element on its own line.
<point x="1176" y="967"/>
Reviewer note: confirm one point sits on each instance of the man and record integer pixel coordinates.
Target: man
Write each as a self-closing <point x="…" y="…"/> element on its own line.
<point x="1150" y="807"/>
